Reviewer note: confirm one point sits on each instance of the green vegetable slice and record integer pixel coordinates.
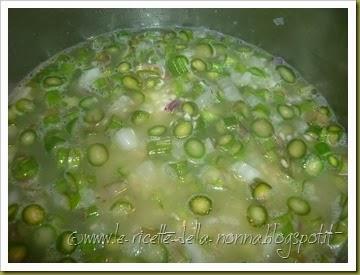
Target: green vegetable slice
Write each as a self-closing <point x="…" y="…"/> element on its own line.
<point x="122" y="208"/>
<point x="130" y="82"/>
<point x="262" y="128"/>
<point x="24" y="105"/>
<point x="139" y="117"/>
<point x="183" y="129"/>
<point x="204" y="50"/>
<point x="28" y="137"/>
<point x="52" y="81"/>
<point x="178" y="65"/>
<point x="124" y="67"/>
<point x="24" y="168"/>
<point x="33" y="214"/>
<point x="200" y="205"/>
<point x="157" y="130"/>
<point x="194" y="148"/>
<point x="286" y="111"/>
<point x="298" y="205"/>
<point x="190" y="108"/>
<point x="97" y="154"/>
<point x="94" y="116"/>
<point x="88" y="102"/>
<point x="286" y="73"/>
<point x="159" y="147"/>
<point x="257" y="72"/>
<point x="257" y="215"/>
<point x="261" y="191"/>
<point x="198" y="65"/>
<point x="296" y="148"/>
<point x="66" y="242"/>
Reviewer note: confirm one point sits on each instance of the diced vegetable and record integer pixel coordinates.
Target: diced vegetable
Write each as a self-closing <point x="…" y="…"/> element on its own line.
<point x="298" y="205"/>
<point x="68" y="186"/>
<point x="33" y="214"/>
<point x="94" y="116"/>
<point x="230" y="122"/>
<point x="62" y="157"/>
<point x="333" y="134"/>
<point x="126" y="139"/>
<point x="24" y="105"/>
<point x="53" y="98"/>
<point x="257" y="215"/>
<point x="24" y="168"/>
<point x="157" y="130"/>
<point x="28" y="137"/>
<point x="161" y="146"/>
<point x="333" y="160"/>
<point x="324" y="110"/>
<point x="115" y="123"/>
<point x="52" y="81"/>
<point x="313" y="132"/>
<point x="200" y="205"/>
<point x="130" y="82"/>
<point x="242" y="108"/>
<point x="226" y="140"/>
<point x="261" y="191"/>
<point x="322" y="149"/>
<point x="74" y="158"/>
<point x="257" y="72"/>
<point x="88" y="102"/>
<point x="286" y="111"/>
<point x="194" y="147"/>
<point x="124" y="67"/>
<point x="71" y="125"/>
<point x="97" y="154"/>
<point x="296" y="148"/>
<point x="190" y="108"/>
<point x="313" y="165"/>
<point x="52" y="140"/>
<point x="204" y="50"/>
<point x="286" y="73"/>
<point x="183" y="129"/>
<point x="66" y="242"/>
<point x="178" y="65"/>
<point x="181" y="169"/>
<point x="185" y="35"/>
<point x="198" y="65"/>
<point x="262" y="128"/>
<point x="139" y="117"/>
<point x="122" y="208"/>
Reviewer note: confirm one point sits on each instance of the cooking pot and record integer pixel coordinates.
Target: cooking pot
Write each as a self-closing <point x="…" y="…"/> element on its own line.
<point x="314" y="41"/>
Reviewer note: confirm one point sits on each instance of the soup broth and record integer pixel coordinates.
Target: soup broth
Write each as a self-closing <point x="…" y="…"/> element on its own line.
<point x="135" y="135"/>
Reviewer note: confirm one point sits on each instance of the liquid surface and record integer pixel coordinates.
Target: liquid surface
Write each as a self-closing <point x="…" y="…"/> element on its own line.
<point x="183" y="130"/>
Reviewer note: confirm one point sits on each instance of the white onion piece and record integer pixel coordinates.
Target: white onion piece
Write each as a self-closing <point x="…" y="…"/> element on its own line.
<point x="231" y="92"/>
<point x="207" y="98"/>
<point x="88" y="77"/>
<point x="146" y="171"/>
<point x="122" y="104"/>
<point x="126" y="139"/>
<point x="245" y="171"/>
<point x="88" y="197"/>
